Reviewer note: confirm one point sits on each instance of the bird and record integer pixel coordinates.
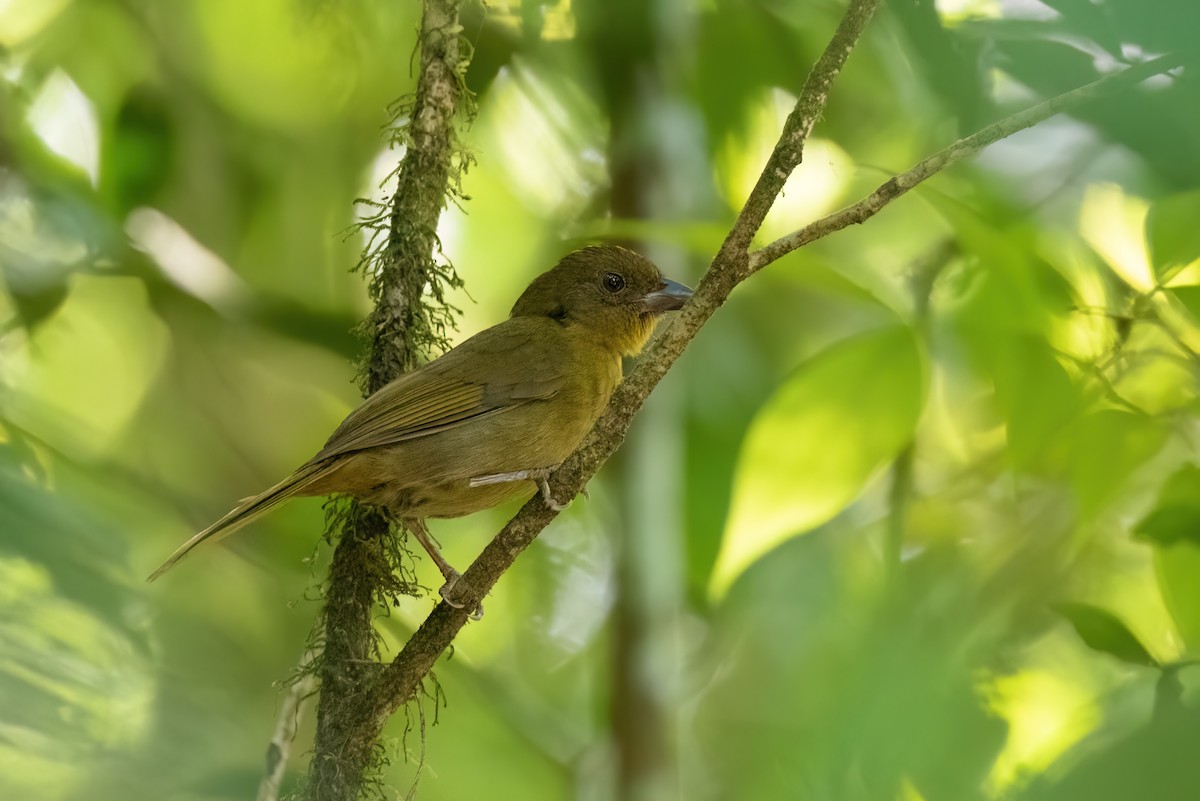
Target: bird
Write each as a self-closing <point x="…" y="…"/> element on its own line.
<point x="489" y="420"/>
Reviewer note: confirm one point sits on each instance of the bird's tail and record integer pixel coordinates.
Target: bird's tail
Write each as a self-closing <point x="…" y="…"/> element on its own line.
<point x="248" y="510"/>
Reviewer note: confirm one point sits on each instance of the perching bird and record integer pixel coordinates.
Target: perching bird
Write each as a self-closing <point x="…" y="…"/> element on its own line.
<point x="489" y="420"/>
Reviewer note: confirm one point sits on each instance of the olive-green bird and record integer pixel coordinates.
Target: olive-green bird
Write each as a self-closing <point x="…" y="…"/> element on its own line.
<point x="490" y="419"/>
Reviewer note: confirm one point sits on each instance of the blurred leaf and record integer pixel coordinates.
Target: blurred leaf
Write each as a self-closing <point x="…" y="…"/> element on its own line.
<point x="36" y="306"/>
<point x="93" y="363"/>
<point x="1107" y="445"/>
<point x="1155" y="761"/>
<point x="724" y="94"/>
<point x="1178" y="570"/>
<point x="91" y="573"/>
<point x="75" y="666"/>
<point x="141" y="157"/>
<point x="1087" y="19"/>
<point x="1168" y="525"/>
<point x="948" y="60"/>
<point x="1004" y="320"/>
<point x="818" y="440"/>
<point x="1152" y="121"/>
<point x="800" y="612"/>
<point x="1103" y="631"/>
<point x="1068" y="64"/>
<point x="1172" y="232"/>
<point x="1189" y="296"/>
<point x="1156" y="25"/>
<point x="1177" y="515"/>
<point x="495" y="42"/>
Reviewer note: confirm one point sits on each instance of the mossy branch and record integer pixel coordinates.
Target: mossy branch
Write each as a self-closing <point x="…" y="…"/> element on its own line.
<point x="408" y="280"/>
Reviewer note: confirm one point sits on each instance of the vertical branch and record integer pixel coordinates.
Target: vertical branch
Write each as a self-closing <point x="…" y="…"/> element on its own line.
<point x="409" y="319"/>
<point x="287" y="721"/>
<point x="403" y="326"/>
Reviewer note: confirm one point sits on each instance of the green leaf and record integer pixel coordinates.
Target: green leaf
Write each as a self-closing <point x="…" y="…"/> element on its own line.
<point x="817" y="442"/>
<point x="1189" y="296"/>
<point x="1172" y="236"/>
<point x="1178" y="570"/>
<point x="1176" y="518"/>
<point x="1106" y="447"/>
<point x="1103" y="631"/>
<point x="1168" y="525"/>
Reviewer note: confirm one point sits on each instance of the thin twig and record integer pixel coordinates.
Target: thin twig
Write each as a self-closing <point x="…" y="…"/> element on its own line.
<point x="287" y="721"/>
<point x="895" y="187"/>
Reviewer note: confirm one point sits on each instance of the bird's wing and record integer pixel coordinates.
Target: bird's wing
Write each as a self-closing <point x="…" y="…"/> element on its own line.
<point x="501" y="368"/>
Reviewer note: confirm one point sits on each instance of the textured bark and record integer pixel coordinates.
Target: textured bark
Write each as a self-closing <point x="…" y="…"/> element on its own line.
<point x="403" y="326"/>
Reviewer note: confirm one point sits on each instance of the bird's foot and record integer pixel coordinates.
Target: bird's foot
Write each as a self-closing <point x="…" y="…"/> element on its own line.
<point x="447" y="593"/>
<point x="418" y="529"/>
<point x="548" y="499"/>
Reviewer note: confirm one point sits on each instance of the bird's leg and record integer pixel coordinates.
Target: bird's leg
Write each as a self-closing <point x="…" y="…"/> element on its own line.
<point x="539" y="475"/>
<point x="417" y="526"/>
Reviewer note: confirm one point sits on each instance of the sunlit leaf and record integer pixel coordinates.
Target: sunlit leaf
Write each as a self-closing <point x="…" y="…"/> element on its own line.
<point x="818" y="440"/>
<point x="20" y="21"/>
<point x="1112" y="222"/>
<point x="1172" y="233"/>
<point x="73" y="685"/>
<point x="91" y="365"/>
<point x="1103" y="631"/>
<point x="1048" y="713"/>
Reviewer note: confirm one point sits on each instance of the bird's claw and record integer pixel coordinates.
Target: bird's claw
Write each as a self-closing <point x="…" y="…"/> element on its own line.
<point x="552" y="504"/>
<point x="447" y="591"/>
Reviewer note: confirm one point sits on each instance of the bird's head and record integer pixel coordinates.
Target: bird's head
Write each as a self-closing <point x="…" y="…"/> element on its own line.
<point x="613" y="294"/>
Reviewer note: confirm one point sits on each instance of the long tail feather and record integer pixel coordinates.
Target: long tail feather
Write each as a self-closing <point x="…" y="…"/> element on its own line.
<point x="248" y="510"/>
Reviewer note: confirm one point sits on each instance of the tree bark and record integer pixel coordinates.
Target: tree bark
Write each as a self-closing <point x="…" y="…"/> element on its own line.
<point x="403" y="327"/>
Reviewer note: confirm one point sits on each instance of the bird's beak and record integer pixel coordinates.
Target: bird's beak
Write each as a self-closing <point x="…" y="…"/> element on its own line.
<point x="668" y="297"/>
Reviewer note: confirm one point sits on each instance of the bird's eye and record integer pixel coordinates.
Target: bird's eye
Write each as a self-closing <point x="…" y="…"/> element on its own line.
<point x="614" y="283"/>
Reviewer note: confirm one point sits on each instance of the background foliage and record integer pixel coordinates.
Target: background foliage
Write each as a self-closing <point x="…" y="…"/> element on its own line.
<point x="920" y="507"/>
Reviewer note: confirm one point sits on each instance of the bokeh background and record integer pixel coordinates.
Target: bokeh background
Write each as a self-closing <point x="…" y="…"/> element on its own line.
<point x="916" y="517"/>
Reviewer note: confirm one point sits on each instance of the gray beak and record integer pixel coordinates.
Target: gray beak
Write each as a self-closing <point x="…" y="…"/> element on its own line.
<point x="668" y="297"/>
